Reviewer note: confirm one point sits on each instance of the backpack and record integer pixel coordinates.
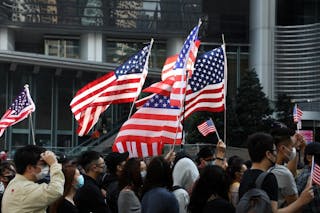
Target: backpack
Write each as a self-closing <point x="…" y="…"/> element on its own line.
<point x="256" y="199"/>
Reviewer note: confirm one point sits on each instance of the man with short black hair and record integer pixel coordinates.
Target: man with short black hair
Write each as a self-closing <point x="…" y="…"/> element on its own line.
<point x="89" y="197"/>
<point x="262" y="152"/>
<point x="286" y="151"/>
<point x="23" y="194"/>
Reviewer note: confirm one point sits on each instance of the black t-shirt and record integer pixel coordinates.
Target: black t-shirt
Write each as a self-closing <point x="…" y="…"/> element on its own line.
<point x="67" y="207"/>
<point x="270" y="184"/>
<point x="218" y="205"/>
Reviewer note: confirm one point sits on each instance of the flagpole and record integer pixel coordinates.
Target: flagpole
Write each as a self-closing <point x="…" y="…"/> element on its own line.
<point x="312" y="166"/>
<point x="138" y="92"/>
<point x="225" y="93"/>
<point x="182" y="105"/>
<point x="217" y="133"/>
<point x="32" y="130"/>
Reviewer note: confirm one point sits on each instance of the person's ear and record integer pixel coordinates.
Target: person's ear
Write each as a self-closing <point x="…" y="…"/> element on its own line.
<point x="309" y="158"/>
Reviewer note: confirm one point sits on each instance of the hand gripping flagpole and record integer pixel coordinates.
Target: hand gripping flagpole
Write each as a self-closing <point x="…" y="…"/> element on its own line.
<point x="182" y="104"/>
<point x="144" y="68"/>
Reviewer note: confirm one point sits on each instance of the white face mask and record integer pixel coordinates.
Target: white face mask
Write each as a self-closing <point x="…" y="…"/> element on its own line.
<point x="44" y="172"/>
<point x="143" y="174"/>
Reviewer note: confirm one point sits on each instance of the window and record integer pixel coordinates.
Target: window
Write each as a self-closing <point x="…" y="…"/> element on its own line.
<point x="65" y="48"/>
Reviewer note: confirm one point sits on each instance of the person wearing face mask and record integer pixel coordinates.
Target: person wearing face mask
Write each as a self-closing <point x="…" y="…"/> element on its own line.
<point x="287" y="189"/>
<point x="74" y="180"/>
<point x="22" y="193"/>
<point x="89" y="197"/>
<point x="263" y="154"/>
<point x="7" y="173"/>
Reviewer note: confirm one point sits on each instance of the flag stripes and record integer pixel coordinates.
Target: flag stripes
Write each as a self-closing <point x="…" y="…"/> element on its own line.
<point x="207" y="127"/>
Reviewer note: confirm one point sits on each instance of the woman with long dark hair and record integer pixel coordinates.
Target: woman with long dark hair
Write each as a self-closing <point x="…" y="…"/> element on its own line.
<point x="73" y="181"/>
<point x="130" y="182"/>
<point x="210" y="193"/>
<point x="235" y="170"/>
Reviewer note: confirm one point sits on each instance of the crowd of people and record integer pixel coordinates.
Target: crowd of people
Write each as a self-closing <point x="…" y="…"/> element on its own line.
<point x="36" y="181"/>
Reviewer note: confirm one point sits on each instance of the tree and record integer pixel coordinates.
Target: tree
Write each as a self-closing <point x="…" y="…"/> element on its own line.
<point x="252" y="106"/>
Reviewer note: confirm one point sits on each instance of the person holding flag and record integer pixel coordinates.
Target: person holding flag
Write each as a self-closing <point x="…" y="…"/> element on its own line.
<point x="311" y="168"/>
<point x="20" y="109"/>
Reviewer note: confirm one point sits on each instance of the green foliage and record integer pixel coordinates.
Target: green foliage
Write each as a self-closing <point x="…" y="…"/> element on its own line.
<point x="252" y="106"/>
<point x="247" y="113"/>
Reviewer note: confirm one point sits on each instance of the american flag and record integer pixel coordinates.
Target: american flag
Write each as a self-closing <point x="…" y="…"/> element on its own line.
<point x="168" y="67"/>
<point x="207" y="127"/>
<point x="315" y="172"/>
<point x="121" y="86"/>
<point x="152" y="126"/>
<point x="297" y="114"/>
<point x="205" y="90"/>
<point x="87" y="94"/>
<point x="188" y="52"/>
<point x="21" y="107"/>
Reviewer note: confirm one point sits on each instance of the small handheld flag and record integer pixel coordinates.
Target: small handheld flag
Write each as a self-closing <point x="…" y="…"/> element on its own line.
<point x="297" y="114"/>
<point x="207" y="127"/>
<point x="315" y="172"/>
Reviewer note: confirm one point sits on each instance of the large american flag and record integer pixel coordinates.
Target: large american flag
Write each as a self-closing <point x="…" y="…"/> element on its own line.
<point x="205" y="90"/>
<point x="207" y="127"/>
<point x="121" y="86"/>
<point x="188" y="52"/>
<point x="297" y="114"/>
<point x="21" y="107"/>
<point x="153" y="125"/>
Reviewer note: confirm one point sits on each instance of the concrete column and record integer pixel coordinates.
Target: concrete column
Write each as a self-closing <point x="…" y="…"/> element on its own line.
<point x="92" y="47"/>
<point x="174" y="46"/>
<point x="7" y="39"/>
<point x="262" y="24"/>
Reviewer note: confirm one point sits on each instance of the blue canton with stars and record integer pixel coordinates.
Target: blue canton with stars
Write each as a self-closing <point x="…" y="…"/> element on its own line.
<point x="20" y="103"/>
<point x="135" y="64"/>
<point x="159" y="101"/>
<point x="209" y="69"/>
<point x="180" y="63"/>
